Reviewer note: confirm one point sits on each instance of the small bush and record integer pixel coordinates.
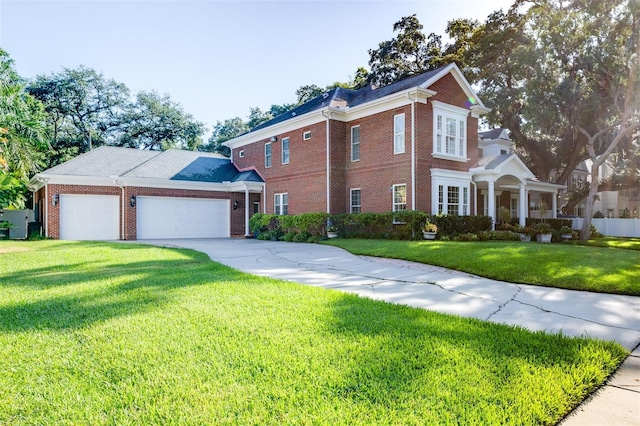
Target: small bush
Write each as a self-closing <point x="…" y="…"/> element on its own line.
<point x="467" y="237"/>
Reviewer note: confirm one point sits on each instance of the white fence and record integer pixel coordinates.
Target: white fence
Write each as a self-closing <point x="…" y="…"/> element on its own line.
<point x="613" y="227"/>
<point x="19" y="218"/>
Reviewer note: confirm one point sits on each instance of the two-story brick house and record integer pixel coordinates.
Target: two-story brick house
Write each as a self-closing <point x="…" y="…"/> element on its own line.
<point x="409" y="145"/>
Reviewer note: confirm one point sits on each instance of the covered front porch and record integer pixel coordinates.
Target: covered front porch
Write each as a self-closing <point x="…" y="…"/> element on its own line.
<point x="504" y="184"/>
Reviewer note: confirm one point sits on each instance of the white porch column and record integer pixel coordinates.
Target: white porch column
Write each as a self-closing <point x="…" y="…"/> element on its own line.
<point x="491" y="204"/>
<point x="554" y="205"/>
<point x="246" y="213"/>
<point x="523" y="205"/>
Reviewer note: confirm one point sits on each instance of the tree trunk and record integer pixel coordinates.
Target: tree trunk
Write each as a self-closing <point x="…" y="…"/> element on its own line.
<point x="585" y="232"/>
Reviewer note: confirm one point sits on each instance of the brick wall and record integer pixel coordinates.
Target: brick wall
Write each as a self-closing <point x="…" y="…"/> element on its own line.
<point x="304" y="178"/>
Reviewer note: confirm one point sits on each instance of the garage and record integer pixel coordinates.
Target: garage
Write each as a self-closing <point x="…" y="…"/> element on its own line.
<point x="89" y="217"/>
<point x="169" y="217"/>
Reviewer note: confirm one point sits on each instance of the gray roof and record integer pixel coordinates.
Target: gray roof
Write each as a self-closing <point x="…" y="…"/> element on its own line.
<point x="104" y="161"/>
<point x="173" y="164"/>
<point x="340" y="97"/>
<point x="491" y="134"/>
<point x="494" y="161"/>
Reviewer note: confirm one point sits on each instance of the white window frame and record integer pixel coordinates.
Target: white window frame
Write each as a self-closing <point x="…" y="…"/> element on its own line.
<point x="268" y="156"/>
<point x="397" y="206"/>
<point x="281" y="203"/>
<point x="355" y="208"/>
<point x="285" y="151"/>
<point x="355" y="144"/>
<point x="306" y="135"/>
<point x="442" y="180"/>
<point x="398" y="133"/>
<point x="449" y="132"/>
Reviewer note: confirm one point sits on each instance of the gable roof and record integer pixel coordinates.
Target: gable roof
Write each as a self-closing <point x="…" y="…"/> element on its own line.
<point x="110" y="163"/>
<point x="347" y="99"/>
<point x="494" y="134"/>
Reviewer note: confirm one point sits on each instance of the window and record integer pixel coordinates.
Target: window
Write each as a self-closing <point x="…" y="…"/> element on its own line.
<point x="267" y="154"/>
<point x="453" y="200"/>
<point x="399" y="197"/>
<point x="398" y="134"/>
<point x="356" y="201"/>
<point x="306" y="136"/>
<point x="241" y="154"/>
<point x="285" y="151"/>
<point x="281" y="204"/>
<point x="355" y="143"/>
<point x="450" y="131"/>
<point x="256" y="207"/>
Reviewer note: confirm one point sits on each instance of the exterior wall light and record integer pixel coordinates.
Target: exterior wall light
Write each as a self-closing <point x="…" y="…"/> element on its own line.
<point x="132" y="201"/>
<point x="54" y="199"/>
<point x="235" y="205"/>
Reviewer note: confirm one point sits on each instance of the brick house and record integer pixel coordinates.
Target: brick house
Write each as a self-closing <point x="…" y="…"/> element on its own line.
<point x="114" y="193"/>
<point x="411" y="145"/>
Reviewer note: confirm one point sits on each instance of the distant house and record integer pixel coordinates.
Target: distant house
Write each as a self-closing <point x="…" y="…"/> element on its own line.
<point x="613" y="204"/>
<point x="411" y="145"/>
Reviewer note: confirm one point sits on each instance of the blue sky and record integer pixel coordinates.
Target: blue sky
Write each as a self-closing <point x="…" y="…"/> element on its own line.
<point x="216" y="58"/>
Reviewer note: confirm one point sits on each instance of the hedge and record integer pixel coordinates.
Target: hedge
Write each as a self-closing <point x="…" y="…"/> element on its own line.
<point x="405" y="225"/>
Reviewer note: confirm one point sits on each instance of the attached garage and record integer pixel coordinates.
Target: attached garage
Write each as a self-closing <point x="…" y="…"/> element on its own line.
<point x="89" y="217"/>
<point x="169" y="217"/>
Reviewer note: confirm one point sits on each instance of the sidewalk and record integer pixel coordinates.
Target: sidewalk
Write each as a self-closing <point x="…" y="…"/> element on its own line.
<point x="574" y="313"/>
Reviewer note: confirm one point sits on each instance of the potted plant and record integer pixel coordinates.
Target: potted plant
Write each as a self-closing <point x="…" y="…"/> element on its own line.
<point x="332" y="231"/>
<point x="429" y="231"/>
<point x="543" y="232"/>
<point x="525" y="232"/>
<point x="5" y="226"/>
<point x="566" y="233"/>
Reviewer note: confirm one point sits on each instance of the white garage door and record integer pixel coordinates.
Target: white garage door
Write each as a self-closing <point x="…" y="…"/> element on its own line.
<point x="168" y="217"/>
<point x="89" y="217"/>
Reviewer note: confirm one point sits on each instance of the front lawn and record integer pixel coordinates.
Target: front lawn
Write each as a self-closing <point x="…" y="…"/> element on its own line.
<point x="577" y="267"/>
<point x="108" y="333"/>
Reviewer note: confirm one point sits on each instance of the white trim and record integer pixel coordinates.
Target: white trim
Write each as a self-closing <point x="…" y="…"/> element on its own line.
<point x="351" y="199"/>
<point x="393" y="197"/>
<point x="351" y="143"/>
<point x="450" y="157"/>
<point x="450" y="108"/>
<point x="270" y="155"/>
<point x="306" y="135"/>
<point x="398" y="133"/>
<point x="282" y="151"/>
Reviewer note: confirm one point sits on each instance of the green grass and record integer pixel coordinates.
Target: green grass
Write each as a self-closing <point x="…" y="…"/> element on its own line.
<point x="614" y="242"/>
<point x="99" y="333"/>
<point x="577" y="267"/>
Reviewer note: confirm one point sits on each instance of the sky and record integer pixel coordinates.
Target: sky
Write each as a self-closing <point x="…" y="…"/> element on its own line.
<point x="215" y="58"/>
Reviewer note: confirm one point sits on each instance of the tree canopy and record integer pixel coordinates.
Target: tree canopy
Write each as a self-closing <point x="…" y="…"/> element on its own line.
<point x="22" y="135"/>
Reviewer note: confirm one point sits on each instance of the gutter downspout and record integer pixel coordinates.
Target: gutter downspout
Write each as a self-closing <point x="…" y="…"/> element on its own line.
<point x="122" y="227"/>
<point x="413" y="151"/>
<point x="46" y="206"/>
<point x="246" y="212"/>
<point x="327" y="115"/>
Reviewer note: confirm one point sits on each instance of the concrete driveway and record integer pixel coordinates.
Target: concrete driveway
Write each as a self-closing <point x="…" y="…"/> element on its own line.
<point x="573" y="313"/>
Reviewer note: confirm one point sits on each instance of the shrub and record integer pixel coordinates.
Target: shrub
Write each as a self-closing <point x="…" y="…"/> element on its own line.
<point x="467" y="237"/>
